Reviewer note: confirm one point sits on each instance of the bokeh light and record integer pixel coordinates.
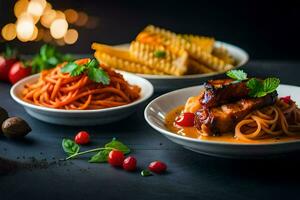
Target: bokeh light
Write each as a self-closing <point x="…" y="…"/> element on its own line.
<point x="34" y="34"/>
<point x="35" y="8"/>
<point x="82" y="19"/>
<point x="9" y="32"/>
<point x="20" y="7"/>
<point x="39" y="20"/>
<point x="59" y="28"/>
<point x="60" y="15"/>
<point x="71" y="36"/>
<point x="25" y="27"/>
<point x="48" y="17"/>
<point x="71" y="15"/>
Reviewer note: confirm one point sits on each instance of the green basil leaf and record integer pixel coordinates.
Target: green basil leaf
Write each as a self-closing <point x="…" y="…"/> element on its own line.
<point x="98" y="75"/>
<point x="160" y="54"/>
<point x="115" y="144"/>
<point x="69" y="67"/>
<point x="270" y="84"/>
<point x="47" y="51"/>
<point x="93" y="64"/>
<point x="70" y="147"/>
<point x="146" y="172"/>
<point x="100" y="157"/>
<point x="239" y="75"/>
<point x="53" y="61"/>
<point x="77" y="71"/>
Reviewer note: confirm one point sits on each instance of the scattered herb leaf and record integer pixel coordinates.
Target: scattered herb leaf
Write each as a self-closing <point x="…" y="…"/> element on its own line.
<point x="100" y="157"/>
<point x="146" y="172"/>
<point x="160" y="54"/>
<point x="115" y="144"/>
<point x="70" y="147"/>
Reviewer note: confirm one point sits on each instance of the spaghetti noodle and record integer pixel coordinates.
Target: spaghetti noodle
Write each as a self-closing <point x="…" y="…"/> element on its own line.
<point x="55" y="89"/>
<point x="280" y="119"/>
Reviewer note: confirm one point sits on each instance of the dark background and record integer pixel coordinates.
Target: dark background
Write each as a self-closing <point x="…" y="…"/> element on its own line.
<point x="266" y="29"/>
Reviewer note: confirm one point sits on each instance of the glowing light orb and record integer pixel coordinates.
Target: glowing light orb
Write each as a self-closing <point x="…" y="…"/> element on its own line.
<point x="35" y="8"/>
<point x="20" y="7"/>
<point x="9" y="32"/>
<point x="71" y="15"/>
<point x="59" y="28"/>
<point x="25" y="27"/>
<point x="71" y="36"/>
<point x="48" y="17"/>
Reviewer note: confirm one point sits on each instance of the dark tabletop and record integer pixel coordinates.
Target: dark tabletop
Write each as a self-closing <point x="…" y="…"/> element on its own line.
<point x="190" y="175"/>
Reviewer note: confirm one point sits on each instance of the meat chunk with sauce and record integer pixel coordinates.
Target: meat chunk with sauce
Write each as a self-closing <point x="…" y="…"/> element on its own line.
<point x="223" y="91"/>
<point x="222" y="119"/>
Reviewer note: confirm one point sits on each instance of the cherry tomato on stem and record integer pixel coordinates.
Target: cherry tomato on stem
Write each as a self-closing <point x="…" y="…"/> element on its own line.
<point x="82" y="137"/>
<point x="5" y="66"/>
<point x="18" y="71"/>
<point x="185" y="119"/>
<point x="129" y="164"/>
<point x="157" y="167"/>
<point x="116" y="158"/>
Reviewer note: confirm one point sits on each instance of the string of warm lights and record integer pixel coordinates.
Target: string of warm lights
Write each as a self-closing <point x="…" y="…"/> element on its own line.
<point x="37" y="20"/>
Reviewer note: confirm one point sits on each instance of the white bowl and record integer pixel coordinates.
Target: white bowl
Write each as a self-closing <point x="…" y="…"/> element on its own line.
<point x="167" y="82"/>
<point x="83" y="117"/>
<point x="157" y="109"/>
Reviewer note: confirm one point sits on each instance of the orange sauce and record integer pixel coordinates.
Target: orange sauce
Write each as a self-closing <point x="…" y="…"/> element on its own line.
<point x="192" y="132"/>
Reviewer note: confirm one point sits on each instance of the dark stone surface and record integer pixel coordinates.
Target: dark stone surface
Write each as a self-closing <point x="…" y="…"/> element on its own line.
<point x="190" y="175"/>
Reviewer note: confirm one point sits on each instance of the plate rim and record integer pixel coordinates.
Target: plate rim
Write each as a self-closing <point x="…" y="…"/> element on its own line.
<point x="148" y="93"/>
<point x="208" y="142"/>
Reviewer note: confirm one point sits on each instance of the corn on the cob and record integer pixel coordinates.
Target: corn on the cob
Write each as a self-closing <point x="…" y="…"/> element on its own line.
<point x="168" y="62"/>
<point x="123" y="64"/>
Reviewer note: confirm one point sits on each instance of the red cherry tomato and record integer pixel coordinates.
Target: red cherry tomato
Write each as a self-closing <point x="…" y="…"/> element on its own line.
<point x="82" y="137"/>
<point x="157" y="167"/>
<point x="129" y="164"/>
<point x="185" y="119"/>
<point x="286" y="99"/>
<point x="5" y="66"/>
<point x="18" y="71"/>
<point x="116" y="158"/>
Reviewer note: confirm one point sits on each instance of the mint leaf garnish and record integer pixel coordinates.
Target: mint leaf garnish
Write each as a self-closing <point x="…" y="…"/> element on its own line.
<point x="238" y="75"/>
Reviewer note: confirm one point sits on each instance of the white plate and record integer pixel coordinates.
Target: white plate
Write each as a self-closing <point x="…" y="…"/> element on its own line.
<point x="156" y="111"/>
<point x="83" y="117"/>
<point x="167" y="83"/>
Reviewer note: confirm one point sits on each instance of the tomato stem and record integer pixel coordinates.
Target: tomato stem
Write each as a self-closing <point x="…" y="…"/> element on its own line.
<point x="88" y="151"/>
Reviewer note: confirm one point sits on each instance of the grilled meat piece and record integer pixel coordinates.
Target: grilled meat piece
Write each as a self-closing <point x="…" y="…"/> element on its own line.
<point x="223" y="91"/>
<point x="214" y="121"/>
